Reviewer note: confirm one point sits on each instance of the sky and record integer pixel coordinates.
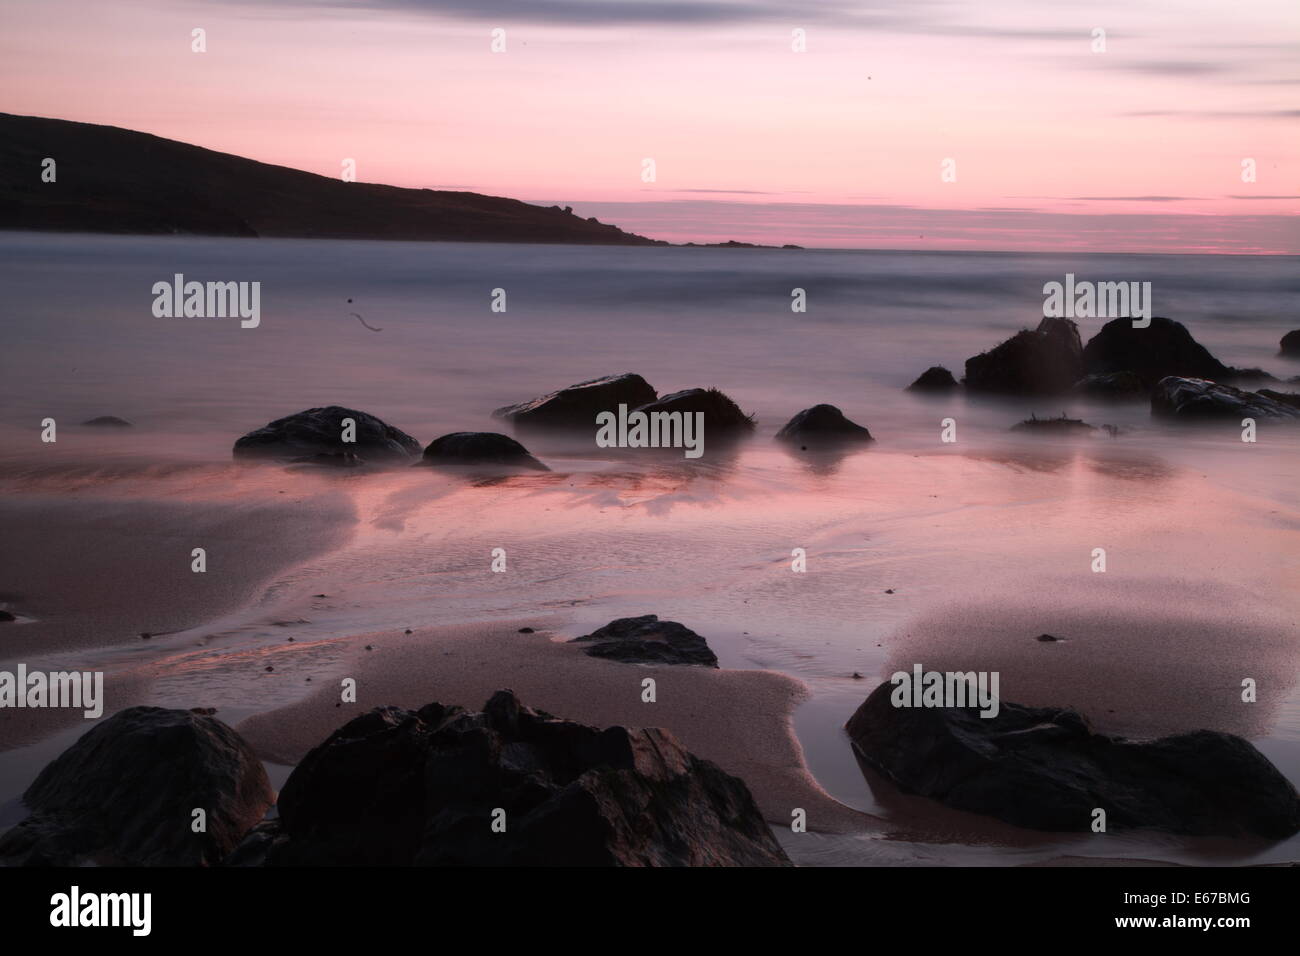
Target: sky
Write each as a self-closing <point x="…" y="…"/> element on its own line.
<point x="910" y="124"/>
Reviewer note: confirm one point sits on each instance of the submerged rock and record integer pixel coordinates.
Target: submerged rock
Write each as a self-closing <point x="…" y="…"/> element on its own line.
<point x="108" y="421"/>
<point x="319" y="431"/>
<point x="1044" y="768"/>
<point x="1062" y="425"/>
<point x="576" y="407"/>
<point x="1191" y="399"/>
<point x="1046" y="361"/>
<point x="338" y="459"/>
<point x="396" y="787"/>
<point x="1164" y="348"/>
<point x="820" y="425"/>
<point x="722" y="416"/>
<point x="479" y="449"/>
<point x="1290" y="344"/>
<point x="1110" y="385"/>
<point x="936" y="378"/>
<point x="647" y="639"/>
<point x="125" y="794"/>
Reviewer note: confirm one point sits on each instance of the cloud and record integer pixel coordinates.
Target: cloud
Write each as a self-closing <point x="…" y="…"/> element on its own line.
<point x="1133" y="198"/>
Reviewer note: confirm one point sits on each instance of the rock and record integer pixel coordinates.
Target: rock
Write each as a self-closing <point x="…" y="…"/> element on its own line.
<point x="576" y="407"/>
<point x="1290" y="344"/>
<point x="1164" y="348"/>
<point x="722" y="416"/>
<point x="394" y="787"/>
<point x="125" y="792"/>
<point x="1044" y="768"/>
<point x="526" y="630"/>
<point x="1196" y="399"/>
<point x="647" y="639"/>
<point x="479" y="449"/>
<point x="319" y="431"/>
<point x="1058" y="426"/>
<point x="6" y="617"/>
<point x="1047" y="639"/>
<point x="1110" y="385"/>
<point x="936" y="378"/>
<point x="1046" y="361"/>
<point x="108" y="421"/>
<point x="821" y="424"/>
<point x="1286" y="398"/>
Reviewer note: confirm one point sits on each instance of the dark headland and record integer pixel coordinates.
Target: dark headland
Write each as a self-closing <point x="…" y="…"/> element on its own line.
<point x="122" y="181"/>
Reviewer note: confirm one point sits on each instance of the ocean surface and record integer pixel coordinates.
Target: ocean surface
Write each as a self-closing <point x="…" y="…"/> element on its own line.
<point x="954" y="555"/>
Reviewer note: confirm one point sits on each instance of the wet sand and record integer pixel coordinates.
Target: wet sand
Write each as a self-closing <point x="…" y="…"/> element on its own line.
<point x="739" y="719"/>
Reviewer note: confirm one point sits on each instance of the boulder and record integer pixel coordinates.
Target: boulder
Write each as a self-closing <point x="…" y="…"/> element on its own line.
<point x="1164" y="348"/>
<point x="821" y="425"/>
<point x="124" y="794"/>
<point x="476" y="449"/>
<point x="647" y="639"/>
<point x="108" y="421"/>
<point x="1053" y="426"/>
<point x="1046" y="361"/>
<point x="1110" y="385"/>
<point x="1194" y="399"/>
<point x="1290" y="344"/>
<point x="936" y="378"/>
<point x="319" y="431"/>
<point x="1044" y="768"/>
<point x="396" y="787"/>
<point x="722" y="416"/>
<point x="576" y="407"/>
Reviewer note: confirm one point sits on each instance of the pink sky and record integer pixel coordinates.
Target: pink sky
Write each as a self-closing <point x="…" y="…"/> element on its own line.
<point x="1138" y="148"/>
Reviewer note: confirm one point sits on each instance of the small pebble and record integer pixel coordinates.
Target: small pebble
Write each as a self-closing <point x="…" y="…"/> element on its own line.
<point x="269" y="667"/>
<point x="408" y="630"/>
<point x="526" y="630"/>
<point x="145" y="635"/>
<point x="1047" y="638"/>
<point x="370" y="647"/>
<point x="857" y="676"/>
<point x="889" y="590"/>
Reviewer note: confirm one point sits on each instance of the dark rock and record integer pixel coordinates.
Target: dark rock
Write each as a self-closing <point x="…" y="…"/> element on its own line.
<point x="6" y="616"/>
<point x="526" y="630"/>
<point x="722" y="416"/>
<point x="650" y="640"/>
<point x="936" y="378"/>
<point x="1286" y="398"/>
<point x="395" y="787"/>
<point x="1164" y="348"/>
<point x="1045" y="768"/>
<point x="124" y="794"/>
<point x="108" y="421"/>
<point x="1110" y="385"/>
<point x="479" y="449"/>
<point x="1046" y="361"/>
<point x="1191" y="399"/>
<point x="1047" y="639"/>
<point x="822" y="424"/>
<point x="1053" y="426"/>
<point x="319" y="431"/>
<point x="576" y="407"/>
<point x="1290" y="344"/>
